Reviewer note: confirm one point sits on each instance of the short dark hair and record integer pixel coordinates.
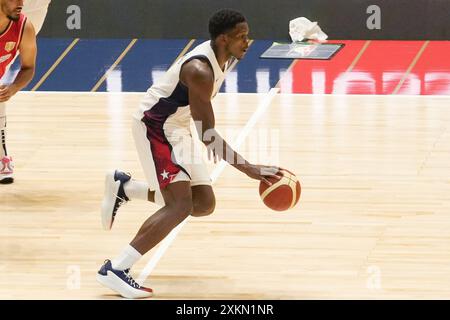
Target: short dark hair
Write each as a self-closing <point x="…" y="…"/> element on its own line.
<point x="223" y="21"/>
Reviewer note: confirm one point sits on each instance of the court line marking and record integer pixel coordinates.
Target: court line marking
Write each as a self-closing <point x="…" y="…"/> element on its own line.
<point x="411" y="66"/>
<point x="114" y="65"/>
<point x="55" y="64"/>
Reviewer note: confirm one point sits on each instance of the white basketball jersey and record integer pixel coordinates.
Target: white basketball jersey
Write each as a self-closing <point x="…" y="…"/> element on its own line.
<point x="167" y="100"/>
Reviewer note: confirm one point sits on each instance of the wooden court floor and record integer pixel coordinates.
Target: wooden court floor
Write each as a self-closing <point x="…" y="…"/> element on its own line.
<point x="372" y="223"/>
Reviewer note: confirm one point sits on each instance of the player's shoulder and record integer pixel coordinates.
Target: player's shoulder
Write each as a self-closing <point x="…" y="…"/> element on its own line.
<point x="198" y="70"/>
<point x="28" y="39"/>
<point x="28" y="27"/>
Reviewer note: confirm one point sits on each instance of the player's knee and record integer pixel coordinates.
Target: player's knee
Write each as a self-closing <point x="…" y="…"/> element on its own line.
<point x="182" y="206"/>
<point x="204" y="207"/>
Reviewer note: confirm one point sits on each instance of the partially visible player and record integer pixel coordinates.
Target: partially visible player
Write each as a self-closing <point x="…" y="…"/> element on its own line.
<point x="17" y="35"/>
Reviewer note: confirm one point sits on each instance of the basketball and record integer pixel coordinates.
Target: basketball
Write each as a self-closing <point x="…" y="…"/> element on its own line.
<point x="283" y="194"/>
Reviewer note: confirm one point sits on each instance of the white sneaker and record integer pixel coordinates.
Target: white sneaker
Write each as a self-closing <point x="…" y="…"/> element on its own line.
<point x="6" y="170"/>
<point x="114" y="196"/>
<point x="122" y="282"/>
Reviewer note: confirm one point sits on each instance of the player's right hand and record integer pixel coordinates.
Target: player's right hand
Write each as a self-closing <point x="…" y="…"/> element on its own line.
<point x="262" y="172"/>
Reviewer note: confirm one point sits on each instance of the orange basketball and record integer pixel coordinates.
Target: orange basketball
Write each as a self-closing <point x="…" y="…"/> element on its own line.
<point x="283" y="194"/>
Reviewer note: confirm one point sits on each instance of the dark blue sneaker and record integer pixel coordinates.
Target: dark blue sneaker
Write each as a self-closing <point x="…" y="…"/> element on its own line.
<point x="114" y="196"/>
<point x="122" y="282"/>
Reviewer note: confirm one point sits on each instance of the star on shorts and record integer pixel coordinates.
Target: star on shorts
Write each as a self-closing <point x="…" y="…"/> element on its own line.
<point x="165" y="175"/>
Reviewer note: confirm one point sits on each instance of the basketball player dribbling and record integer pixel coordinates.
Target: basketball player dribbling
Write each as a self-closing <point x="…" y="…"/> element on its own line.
<point x="17" y="34"/>
<point x="161" y="130"/>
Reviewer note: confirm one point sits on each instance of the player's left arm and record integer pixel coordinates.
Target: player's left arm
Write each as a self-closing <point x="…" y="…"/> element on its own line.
<point x="28" y="51"/>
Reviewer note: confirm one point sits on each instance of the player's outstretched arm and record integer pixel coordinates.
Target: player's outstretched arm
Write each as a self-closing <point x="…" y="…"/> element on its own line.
<point x="198" y="76"/>
<point x="27" y="49"/>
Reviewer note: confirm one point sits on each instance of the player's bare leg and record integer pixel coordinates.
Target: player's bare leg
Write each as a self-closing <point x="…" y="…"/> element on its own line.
<point x="178" y="199"/>
<point x="115" y="274"/>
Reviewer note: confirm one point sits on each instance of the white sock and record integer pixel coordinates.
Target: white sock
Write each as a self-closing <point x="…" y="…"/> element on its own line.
<point x="2" y="130"/>
<point x="126" y="259"/>
<point x="3" y="144"/>
<point x="135" y="189"/>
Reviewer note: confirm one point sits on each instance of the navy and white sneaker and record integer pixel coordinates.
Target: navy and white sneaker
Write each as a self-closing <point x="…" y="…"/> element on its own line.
<point x="121" y="282"/>
<point x="114" y="196"/>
